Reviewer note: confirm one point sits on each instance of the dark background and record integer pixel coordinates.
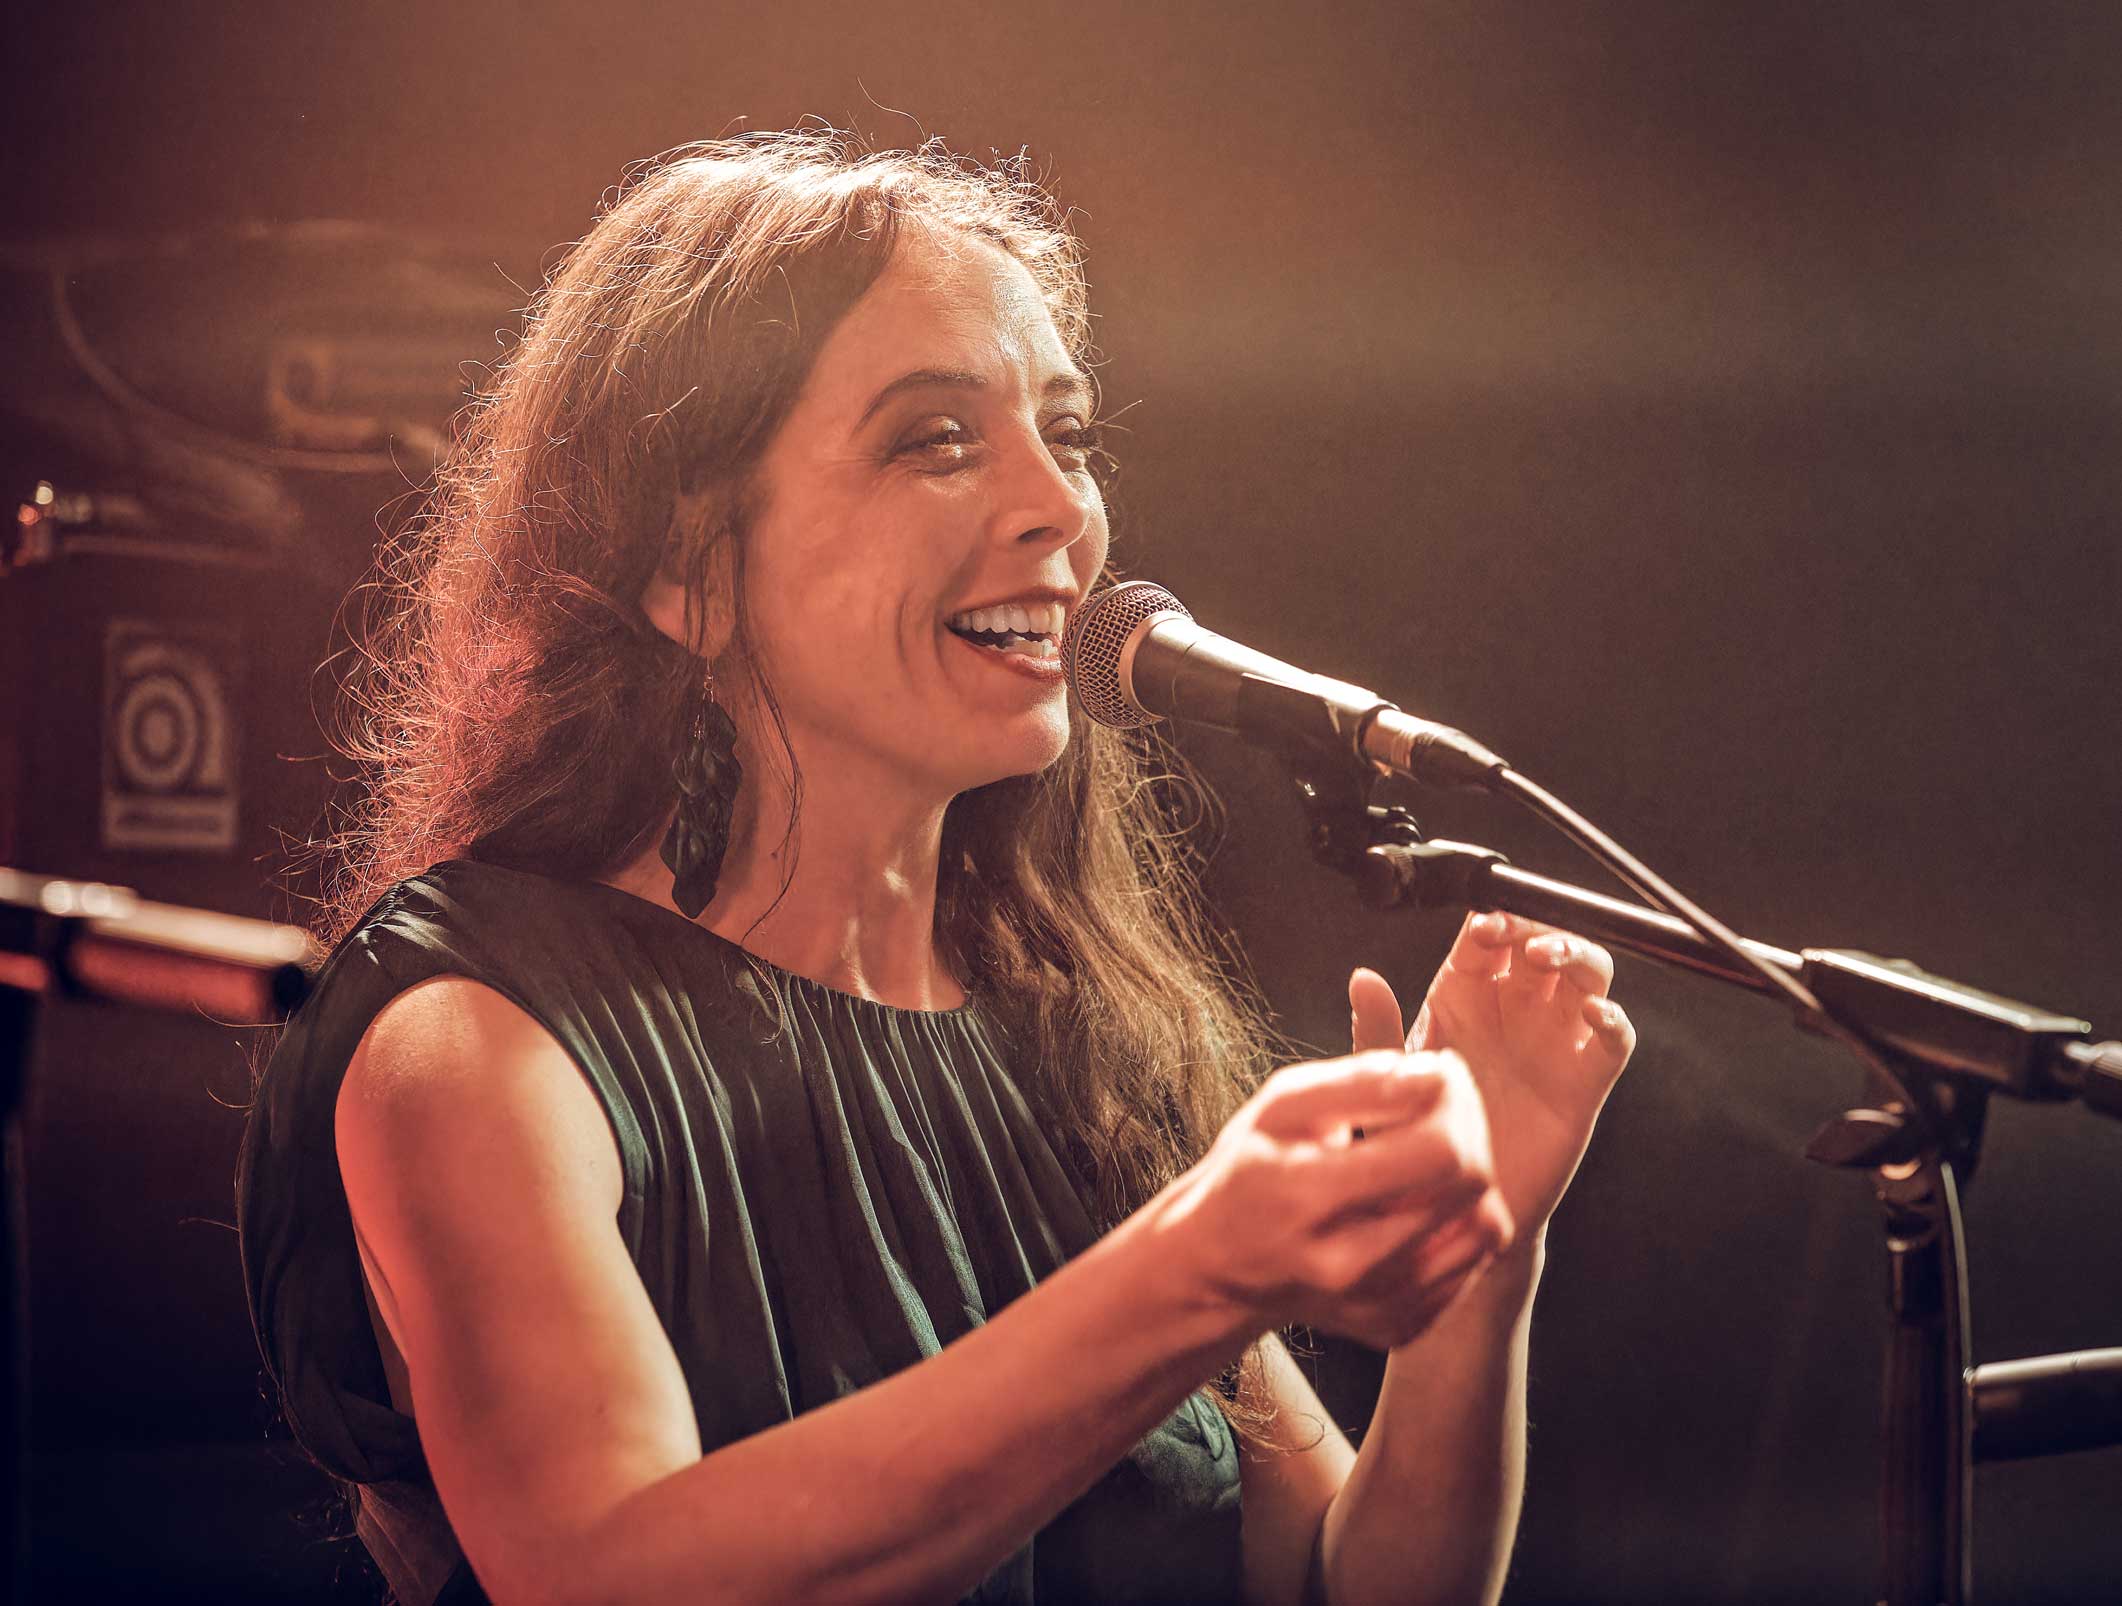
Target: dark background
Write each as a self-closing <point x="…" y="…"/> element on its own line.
<point x="1713" y="408"/>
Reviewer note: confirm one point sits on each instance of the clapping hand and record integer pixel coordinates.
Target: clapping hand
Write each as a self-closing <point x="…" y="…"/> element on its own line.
<point x="1526" y="1006"/>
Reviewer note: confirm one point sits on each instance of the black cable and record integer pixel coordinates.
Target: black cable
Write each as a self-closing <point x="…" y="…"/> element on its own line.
<point x="1648" y="884"/>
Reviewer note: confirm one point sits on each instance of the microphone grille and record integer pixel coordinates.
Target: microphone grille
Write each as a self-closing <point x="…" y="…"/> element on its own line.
<point x="1096" y="637"/>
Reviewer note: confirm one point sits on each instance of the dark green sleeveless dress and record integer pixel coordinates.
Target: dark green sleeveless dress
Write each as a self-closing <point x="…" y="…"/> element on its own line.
<point x="810" y="1209"/>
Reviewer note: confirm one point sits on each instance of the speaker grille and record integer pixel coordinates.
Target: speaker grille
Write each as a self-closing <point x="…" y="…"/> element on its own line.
<point x="1090" y="651"/>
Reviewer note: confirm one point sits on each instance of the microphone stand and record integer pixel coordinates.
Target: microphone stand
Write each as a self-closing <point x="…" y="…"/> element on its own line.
<point x="1951" y="1047"/>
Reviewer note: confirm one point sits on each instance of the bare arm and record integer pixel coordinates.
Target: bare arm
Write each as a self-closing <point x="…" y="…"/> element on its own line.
<point x="484" y="1182"/>
<point x="1427" y="1512"/>
<point x="1430" y="1509"/>
<point x="1289" y="1483"/>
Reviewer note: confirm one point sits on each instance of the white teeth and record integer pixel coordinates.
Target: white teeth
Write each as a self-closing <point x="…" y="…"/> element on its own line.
<point x="1033" y="647"/>
<point x="1034" y="619"/>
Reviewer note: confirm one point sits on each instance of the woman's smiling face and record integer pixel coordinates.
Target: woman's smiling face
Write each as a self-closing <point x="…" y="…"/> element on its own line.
<point x="936" y="461"/>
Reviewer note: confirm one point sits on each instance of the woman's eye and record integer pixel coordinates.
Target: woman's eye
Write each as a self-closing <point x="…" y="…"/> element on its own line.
<point x="944" y="441"/>
<point x="1075" y="445"/>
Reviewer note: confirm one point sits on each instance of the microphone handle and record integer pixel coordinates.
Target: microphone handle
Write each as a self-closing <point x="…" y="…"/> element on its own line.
<point x="1176" y="669"/>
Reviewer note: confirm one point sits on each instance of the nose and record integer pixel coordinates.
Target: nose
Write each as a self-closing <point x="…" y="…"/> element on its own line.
<point x="1042" y="505"/>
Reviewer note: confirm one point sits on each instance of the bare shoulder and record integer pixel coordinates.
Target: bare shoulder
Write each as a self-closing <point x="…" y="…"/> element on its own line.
<point x="484" y="1184"/>
<point x="453" y="1073"/>
<point x="445" y="1029"/>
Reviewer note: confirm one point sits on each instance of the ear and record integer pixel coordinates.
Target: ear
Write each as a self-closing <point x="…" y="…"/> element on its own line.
<point x="663" y="600"/>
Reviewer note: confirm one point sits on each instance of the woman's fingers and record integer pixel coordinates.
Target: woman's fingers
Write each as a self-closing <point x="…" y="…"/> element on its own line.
<point x="1470" y="1218"/>
<point x="1575" y="963"/>
<point x="1540" y="978"/>
<point x="1613" y="1034"/>
<point x="1410" y="1277"/>
<point x="1492" y="945"/>
<point x="1379" y="1088"/>
<point x="1527" y="986"/>
<point x="1373" y="1012"/>
<point x="1555" y="967"/>
<point x="1431" y="1166"/>
<point x="1483" y="947"/>
<point x="1483" y="1229"/>
<point x="1377" y="1256"/>
<point x="1421" y="1171"/>
<point x="1378" y="1129"/>
<point x="1368" y="1182"/>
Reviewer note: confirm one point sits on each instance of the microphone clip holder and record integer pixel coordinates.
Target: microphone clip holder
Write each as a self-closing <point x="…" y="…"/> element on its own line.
<point x="1333" y="784"/>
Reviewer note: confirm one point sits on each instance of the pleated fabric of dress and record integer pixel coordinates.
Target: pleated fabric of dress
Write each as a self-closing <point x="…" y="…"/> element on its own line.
<point x="819" y="1191"/>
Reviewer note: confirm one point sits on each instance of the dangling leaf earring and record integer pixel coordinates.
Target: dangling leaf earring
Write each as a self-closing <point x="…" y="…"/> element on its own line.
<point x="707" y="774"/>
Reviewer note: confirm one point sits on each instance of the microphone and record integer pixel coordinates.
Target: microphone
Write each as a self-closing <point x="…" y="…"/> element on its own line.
<point x="1134" y="655"/>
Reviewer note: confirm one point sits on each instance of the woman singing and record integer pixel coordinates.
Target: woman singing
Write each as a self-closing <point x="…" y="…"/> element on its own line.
<point x="774" y="1125"/>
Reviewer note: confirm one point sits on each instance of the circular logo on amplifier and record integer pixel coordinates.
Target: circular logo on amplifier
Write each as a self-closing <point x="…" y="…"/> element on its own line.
<point x="156" y="730"/>
<point x="169" y="774"/>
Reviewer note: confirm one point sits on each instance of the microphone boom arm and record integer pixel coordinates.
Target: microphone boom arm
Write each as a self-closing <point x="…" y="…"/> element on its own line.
<point x="1937" y="1027"/>
<point x="1331" y="735"/>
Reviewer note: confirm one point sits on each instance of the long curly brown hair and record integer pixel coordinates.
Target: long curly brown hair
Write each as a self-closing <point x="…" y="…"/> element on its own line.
<point x="508" y="702"/>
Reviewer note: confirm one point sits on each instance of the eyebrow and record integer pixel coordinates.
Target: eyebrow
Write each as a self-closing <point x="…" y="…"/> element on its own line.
<point x="1075" y="382"/>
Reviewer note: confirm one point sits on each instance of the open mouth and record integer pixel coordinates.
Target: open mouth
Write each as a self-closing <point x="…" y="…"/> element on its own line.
<point x="1022" y="630"/>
